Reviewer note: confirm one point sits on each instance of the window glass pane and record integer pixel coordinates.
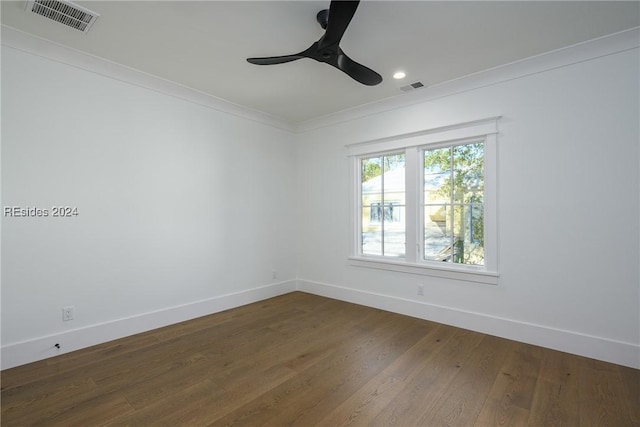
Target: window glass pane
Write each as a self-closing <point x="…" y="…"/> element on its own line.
<point x="459" y="230"/>
<point x="437" y="233"/>
<point x="474" y="254"/>
<point x="371" y="235"/>
<point x="371" y="190"/>
<point x="394" y="230"/>
<point x="437" y="175"/>
<point x="394" y="177"/>
<point x="366" y="217"/>
<point x="371" y="175"/>
<point x="393" y="208"/>
<point x="468" y="167"/>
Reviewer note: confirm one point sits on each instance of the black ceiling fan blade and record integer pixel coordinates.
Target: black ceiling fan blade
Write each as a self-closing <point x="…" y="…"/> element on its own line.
<point x="271" y="60"/>
<point x="356" y="71"/>
<point x="340" y="14"/>
<point x="327" y="49"/>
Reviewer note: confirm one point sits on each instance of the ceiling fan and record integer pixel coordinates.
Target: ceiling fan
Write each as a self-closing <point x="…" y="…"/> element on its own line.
<point x="335" y="21"/>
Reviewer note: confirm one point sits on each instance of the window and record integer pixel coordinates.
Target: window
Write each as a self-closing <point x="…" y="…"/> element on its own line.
<point x="425" y="203"/>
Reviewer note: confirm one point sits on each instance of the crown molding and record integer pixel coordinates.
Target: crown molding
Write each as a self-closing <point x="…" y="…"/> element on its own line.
<point x="581" y="52"/>
<point x="20" y="40"/>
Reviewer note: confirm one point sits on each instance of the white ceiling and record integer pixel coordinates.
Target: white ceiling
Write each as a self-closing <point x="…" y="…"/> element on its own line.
<point x="204" y="44"/>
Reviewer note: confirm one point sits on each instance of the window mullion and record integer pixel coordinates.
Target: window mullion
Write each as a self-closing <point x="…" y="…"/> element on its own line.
<point x="451" y="203"/>
<point x="382" y="206"/>
<point x="412" y="204"/>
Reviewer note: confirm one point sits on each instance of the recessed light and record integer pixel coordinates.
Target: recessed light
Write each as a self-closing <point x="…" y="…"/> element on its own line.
<point x="399" y="75"/>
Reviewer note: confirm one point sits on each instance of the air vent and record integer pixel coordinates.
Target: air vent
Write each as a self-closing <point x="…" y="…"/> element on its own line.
<point x="412" y="86"/>
<point x="64" y="12"/>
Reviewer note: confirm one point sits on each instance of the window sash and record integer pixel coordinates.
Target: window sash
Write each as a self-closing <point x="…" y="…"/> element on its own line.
<point x="450" y="203"/>
<point x="384" y="214"/>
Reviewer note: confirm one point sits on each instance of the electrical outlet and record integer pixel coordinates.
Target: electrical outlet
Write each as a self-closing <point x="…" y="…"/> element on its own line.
<point x="420" y="289"/>
<point x="67" y="313"/>
<point x="274" y="274"/>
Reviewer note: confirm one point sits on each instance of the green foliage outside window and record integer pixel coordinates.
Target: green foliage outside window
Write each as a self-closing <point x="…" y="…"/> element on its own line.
<point x="372" y="168"/>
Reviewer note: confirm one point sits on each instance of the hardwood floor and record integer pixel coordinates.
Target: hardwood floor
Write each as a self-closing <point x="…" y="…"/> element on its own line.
<point x="305" y="360"/>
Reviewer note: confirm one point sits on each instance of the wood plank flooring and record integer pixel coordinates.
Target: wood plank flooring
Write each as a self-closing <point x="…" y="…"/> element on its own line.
<point x="304" y="360"/>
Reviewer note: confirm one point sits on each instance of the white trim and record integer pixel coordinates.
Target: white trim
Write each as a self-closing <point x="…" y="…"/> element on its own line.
<point x="491" y="203"/>
<point x="619" y="352"/>
<point x="32" y="350"/>
<point x="566" y="56"/>
<point x="16" y="39"/>
<point x="447" y="271"/>
<point x="453" y="132"/>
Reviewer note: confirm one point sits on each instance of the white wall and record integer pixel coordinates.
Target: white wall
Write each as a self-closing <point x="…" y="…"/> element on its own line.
<point x="568" y="211"/>
<point x="185" y="210"/>
<point x="179" y="205"/>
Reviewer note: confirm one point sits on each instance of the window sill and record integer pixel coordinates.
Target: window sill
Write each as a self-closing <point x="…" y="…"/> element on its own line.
<point x="447" y="272"/>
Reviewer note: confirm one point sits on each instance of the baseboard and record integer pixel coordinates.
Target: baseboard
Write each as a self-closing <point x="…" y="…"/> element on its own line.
<point x="24" y="352"/>
<point x="621" y="353"/>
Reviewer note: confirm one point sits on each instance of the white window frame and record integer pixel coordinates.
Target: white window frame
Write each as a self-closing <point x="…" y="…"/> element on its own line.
<point x="413" y="144"/>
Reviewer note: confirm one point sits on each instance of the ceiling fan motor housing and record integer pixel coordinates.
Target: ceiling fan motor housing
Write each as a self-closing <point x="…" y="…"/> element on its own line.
<point x="323" y="18"/>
